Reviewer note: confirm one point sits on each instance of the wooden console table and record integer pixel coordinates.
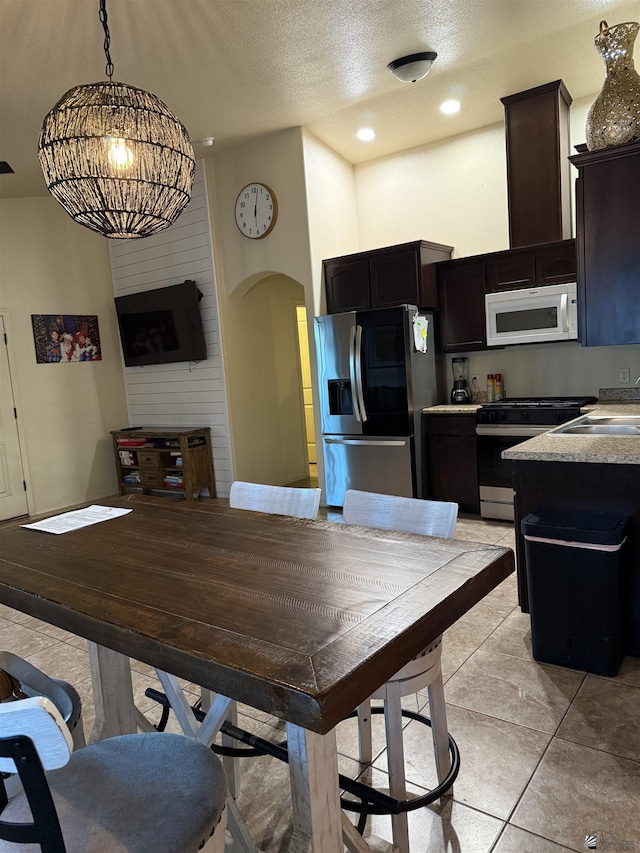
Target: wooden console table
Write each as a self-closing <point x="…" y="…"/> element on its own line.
<point x="164" y="459"/>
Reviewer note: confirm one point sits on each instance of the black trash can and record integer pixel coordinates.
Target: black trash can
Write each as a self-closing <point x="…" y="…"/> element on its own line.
<point x="574" y="575"/>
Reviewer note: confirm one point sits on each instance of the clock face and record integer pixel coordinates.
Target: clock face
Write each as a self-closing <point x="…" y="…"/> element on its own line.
<point x="256" y="211"/>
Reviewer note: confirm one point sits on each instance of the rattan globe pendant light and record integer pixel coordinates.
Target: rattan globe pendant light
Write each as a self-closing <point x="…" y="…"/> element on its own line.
<point x="115" y="157"/>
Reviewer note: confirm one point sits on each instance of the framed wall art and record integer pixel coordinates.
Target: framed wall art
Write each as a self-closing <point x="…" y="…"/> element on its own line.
<point x="66" y="338"/>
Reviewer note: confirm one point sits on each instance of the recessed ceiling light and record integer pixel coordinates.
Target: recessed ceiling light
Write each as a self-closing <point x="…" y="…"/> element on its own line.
<point x="366" y="134"/>
<point x="450" y="107"/>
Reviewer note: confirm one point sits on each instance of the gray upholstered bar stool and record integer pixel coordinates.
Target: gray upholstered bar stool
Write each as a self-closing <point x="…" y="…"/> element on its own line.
<point x="127" y="794"/>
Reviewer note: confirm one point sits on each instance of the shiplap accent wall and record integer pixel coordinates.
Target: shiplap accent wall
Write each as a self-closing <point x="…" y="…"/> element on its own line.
<point x="187" y="394"/>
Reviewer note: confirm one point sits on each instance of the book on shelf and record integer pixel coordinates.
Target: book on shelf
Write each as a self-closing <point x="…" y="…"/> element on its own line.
<point x="173" y="481"/>
<point x="131" y="442"/>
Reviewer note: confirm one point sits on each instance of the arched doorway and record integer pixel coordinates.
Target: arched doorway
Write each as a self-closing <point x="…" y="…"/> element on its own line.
<point x="264" y="382"/>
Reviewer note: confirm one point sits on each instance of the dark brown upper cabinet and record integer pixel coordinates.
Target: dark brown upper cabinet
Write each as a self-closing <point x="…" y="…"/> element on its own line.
<point x="608" y="245"/>
<point x="461" y="286"/>
<point x="552" y="263"/>
<point x="538" y="172"/>
<point x="463" y="283"/>
<point x="556" y="263"/>
<point x="346" y="282"/>
<point x="382" y="278"/>
<point x="511" y="271"/>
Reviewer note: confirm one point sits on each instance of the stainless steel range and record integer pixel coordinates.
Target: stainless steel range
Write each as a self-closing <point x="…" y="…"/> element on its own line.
<point x="500" y="426"/>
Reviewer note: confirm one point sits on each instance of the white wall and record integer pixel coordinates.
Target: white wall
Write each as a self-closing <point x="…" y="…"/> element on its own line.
<point x="331" y="208"/>
<point x="51" y="265"/>
<point x="452" y="192"/>
<point x="276" y="160"/>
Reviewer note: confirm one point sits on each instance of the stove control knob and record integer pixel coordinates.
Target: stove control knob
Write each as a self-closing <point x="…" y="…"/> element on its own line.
<point x="524" y="416"/>
<point x="503" y="416"/>
<point x="492" y="416"/>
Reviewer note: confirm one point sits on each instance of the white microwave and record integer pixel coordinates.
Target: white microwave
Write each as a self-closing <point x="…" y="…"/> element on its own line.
<point x="532" y="315"/>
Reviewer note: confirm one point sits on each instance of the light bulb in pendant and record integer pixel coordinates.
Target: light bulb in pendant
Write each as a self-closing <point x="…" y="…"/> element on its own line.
<point x="120" y="156"/>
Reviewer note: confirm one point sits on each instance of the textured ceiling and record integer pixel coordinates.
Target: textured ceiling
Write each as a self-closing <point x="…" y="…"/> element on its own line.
<point x="237" y="69"/>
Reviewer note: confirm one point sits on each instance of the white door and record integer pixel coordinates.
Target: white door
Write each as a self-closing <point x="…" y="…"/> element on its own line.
<point x="13" y="500"/>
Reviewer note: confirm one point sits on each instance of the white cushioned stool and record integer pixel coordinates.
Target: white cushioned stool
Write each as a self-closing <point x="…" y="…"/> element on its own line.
<point x="35" y="683"/>
<point x="428" y="518"/>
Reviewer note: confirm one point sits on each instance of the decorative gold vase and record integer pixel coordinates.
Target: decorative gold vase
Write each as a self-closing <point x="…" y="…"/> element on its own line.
<point x="614" y="117"/>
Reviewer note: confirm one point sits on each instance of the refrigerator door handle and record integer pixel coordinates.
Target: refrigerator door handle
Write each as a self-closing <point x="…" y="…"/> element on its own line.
<point x="352" y="374"/>
<point x="366" y="442"/>
<point x="358" y="373"/>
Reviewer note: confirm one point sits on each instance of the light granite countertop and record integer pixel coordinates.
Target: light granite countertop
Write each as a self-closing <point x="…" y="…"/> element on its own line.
<point x="453" y="409"/>
<point x="616" y="450"/>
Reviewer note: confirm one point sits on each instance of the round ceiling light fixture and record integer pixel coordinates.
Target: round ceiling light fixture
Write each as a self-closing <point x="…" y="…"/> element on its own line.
<point x="410" y="69"/>
<point x="366" y="134"/>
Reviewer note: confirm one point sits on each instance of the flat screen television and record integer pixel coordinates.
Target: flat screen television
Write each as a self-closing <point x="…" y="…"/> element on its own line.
<point x="162" y="325"/>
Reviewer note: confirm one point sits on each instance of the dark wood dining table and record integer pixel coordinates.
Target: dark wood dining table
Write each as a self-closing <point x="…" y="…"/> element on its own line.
<point x="301" y="619"/>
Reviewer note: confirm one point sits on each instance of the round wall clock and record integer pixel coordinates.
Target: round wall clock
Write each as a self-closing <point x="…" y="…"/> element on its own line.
<point x="256" y="211"/>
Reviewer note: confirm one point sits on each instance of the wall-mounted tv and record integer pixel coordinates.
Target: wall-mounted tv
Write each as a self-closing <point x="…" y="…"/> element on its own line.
<point x="162" y="325"/>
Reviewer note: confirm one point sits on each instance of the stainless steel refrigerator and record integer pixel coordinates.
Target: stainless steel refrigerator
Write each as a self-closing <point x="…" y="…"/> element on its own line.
<point x="373" y="384"/>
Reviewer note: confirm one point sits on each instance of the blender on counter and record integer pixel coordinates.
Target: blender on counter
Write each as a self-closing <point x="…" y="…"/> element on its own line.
<point x="460" y="392"/>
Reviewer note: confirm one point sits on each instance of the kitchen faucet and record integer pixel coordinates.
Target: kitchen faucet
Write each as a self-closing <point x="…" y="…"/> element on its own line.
<point x="637" y="380"/>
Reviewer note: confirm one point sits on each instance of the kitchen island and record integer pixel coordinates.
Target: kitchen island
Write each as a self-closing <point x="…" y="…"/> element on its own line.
<point x="584" y="472"/>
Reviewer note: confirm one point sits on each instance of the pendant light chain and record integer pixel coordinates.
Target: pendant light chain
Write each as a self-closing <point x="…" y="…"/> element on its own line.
<point x="107" y="38"/>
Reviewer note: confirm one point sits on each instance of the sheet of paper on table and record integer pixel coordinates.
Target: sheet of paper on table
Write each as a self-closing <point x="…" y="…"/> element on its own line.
<point x="77" y="518"/>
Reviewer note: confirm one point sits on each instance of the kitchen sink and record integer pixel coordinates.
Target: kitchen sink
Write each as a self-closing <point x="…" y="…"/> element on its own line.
<point x="601" y="425"/>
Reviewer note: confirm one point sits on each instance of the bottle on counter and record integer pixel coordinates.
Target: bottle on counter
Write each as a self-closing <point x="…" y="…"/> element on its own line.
<point x="498" y="392"/>
<point x="490" y="388"/>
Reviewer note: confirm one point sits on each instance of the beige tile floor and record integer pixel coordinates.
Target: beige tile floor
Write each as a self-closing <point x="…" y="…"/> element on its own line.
<point x="548" y="755"/>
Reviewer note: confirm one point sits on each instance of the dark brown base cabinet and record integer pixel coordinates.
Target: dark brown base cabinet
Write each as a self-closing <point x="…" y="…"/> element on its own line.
<point x="383" y="278"/>
<point x="452" y="473"/>
<point x="608" y="240"/>
<point x="462" y="285"/>
<point x="584" y="486"/>
<point x="170" y="460"/>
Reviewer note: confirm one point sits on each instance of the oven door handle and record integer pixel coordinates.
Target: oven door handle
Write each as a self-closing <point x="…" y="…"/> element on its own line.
<point x="514" y="432"/>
